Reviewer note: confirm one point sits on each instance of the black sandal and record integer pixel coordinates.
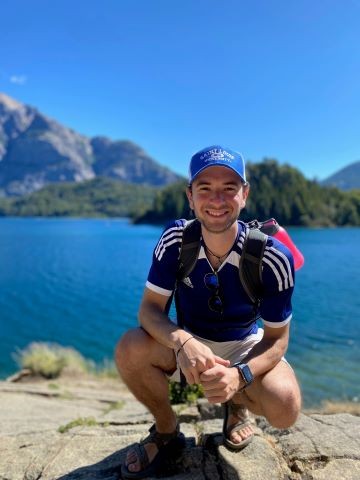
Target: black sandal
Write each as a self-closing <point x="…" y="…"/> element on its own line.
<point x="168" y="444"/>
<point x="243" y="421"/>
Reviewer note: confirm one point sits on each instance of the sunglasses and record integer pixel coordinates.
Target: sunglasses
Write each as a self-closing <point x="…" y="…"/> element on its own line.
<point x="211" y="281"/>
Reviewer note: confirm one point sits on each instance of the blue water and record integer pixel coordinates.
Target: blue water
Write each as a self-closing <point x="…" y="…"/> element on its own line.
<point x="78" y="282"/>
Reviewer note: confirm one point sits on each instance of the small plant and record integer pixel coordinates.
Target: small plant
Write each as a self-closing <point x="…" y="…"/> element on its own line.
<point x="53" y="386"/>
<point x="186" y="394"/>
<point x="199" y="429"/>
<point x="66" y="395"/>
<point x="48" y="360"/>
<point x="80" y="422"/>
<point x="114" y="406"/>
<point x="331" y="407"/>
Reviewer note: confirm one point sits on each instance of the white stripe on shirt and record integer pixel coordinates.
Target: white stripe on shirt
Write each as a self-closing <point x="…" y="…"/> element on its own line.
<point x="156" y="289"/>
<point x="165" y="241"/>
<point x="277" y="324"/>
<point x="166" y="235"/>
<point x="241" y="241"/>
<point x="275" y="271"/>
<point x="280" y="258"/>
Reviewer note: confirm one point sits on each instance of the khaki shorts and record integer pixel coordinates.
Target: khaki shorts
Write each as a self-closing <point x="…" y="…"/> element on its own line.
<point x="235" y="350"/>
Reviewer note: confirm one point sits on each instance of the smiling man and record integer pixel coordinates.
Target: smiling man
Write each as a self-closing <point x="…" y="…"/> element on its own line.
<point x="219" y="344"/>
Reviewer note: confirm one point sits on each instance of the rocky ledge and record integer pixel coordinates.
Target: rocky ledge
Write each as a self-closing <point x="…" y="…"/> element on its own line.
<point x="81" y="429"/>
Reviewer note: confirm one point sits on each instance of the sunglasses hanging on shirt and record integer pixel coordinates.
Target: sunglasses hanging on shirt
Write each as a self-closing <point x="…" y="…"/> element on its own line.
<point x="215" y="302"/>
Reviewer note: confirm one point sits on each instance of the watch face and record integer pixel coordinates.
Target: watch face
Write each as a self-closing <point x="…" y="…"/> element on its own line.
<point x="248" y="377"/>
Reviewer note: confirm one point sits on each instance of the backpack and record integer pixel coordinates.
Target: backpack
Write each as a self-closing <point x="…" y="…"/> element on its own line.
<point x="250" y="260"/>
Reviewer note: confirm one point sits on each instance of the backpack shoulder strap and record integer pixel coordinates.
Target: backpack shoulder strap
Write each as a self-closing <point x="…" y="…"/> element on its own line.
<point x="250" y="271"/>
<point x="189" y="252"/>
<point x="190" y="248"/>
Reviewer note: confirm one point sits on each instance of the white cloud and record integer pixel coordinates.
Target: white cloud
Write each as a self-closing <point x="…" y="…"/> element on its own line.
<point x="18" y="79"/>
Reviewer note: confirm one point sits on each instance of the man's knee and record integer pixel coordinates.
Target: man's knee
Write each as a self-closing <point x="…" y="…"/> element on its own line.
<point x="131" y="349"/>
<point x="285" y="412"/>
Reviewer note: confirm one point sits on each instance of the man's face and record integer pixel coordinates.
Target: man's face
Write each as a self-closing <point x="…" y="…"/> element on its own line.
<point x="217" y="196"/>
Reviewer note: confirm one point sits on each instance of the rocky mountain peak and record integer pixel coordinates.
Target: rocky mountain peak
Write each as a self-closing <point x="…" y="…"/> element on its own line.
<point x="346" y="178"/>
<point x="36" y="150"/>
<point x="8" y="103"/>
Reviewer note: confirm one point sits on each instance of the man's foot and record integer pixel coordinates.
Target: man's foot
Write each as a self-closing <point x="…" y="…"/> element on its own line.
<point x="133" y="461"/>
<point x="237" y="429"/>
<point x="146" y="457"/>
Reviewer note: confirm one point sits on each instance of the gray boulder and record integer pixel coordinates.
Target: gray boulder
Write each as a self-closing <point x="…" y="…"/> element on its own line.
<point x="99" y="421"/>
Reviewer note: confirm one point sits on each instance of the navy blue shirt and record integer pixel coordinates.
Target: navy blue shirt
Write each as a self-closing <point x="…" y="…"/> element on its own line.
<point x="238" y="318"/>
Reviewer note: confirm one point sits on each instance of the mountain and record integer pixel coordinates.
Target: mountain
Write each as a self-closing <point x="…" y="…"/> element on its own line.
<point x="346" y="179"/>
<point x="36" y="151"/>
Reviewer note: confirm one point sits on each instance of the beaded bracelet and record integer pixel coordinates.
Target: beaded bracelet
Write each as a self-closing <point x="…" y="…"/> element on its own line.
<point x="177" y="353"/>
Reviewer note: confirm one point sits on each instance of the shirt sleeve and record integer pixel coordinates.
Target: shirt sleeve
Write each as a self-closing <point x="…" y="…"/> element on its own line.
<point x="163" y="270"/>
<point x="278" y="278"/>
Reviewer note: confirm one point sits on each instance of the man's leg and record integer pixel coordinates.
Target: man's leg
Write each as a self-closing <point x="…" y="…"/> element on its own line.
<point x="142" y="363"/>
<point x="274" y="395"/>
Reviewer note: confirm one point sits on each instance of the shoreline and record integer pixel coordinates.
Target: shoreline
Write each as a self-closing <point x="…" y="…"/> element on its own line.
<point x="77" y="427"/>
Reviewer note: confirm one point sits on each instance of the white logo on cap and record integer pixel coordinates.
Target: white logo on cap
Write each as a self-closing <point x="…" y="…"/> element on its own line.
<point x="217" y="154"/>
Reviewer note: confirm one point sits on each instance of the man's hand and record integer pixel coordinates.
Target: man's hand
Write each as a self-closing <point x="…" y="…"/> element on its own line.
<point x="194" y="358"/>
<point x="220" y="383"/>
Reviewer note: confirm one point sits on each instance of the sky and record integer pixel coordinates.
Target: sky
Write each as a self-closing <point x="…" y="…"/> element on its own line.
<point x="277" y="79"/>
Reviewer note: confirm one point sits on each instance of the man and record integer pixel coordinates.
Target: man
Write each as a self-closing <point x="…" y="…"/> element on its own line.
<point x="219" y="321"/>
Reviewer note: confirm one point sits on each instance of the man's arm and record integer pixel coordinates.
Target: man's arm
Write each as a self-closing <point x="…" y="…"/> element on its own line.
<point x="193" y="357"/>
<point x="269" y="351"/>
<point x="157" y="324"/>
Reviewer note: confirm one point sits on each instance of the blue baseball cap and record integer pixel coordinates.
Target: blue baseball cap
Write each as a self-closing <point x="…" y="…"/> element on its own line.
<point x="216" y="155"/>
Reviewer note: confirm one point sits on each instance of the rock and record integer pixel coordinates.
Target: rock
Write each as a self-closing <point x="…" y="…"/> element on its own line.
<point x="36" y="151"/>
<point x="101" y="419"/>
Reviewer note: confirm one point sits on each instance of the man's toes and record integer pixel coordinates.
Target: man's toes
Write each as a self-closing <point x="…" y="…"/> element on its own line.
<point x="130" y="457"/>
<point x="241" y="435"/>
<point x="132" y="462"/>
<point x="237" y="437"/>
<point x="246" y="432"/>
<point x="133" y="467"/>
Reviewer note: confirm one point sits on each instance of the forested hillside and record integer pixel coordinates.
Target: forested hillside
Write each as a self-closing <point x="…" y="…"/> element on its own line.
<point x="278" y="191"/>
<point x="100" y="197"/>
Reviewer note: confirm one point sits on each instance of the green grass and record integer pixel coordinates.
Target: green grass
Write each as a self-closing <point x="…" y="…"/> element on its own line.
<point x="114" y="406"/>
<point x="81" y="422"/>
<point x="53" y="386"/>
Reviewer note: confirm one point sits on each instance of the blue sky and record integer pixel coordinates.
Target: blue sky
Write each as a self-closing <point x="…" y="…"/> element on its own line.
<point x="276" y="78"/>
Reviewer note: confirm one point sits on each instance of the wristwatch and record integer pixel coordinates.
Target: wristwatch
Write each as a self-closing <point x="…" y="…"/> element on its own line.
<point x="245" y="373"/>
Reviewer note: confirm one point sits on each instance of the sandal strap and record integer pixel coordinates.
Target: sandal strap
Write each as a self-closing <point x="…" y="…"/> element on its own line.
<point x="235" y="427"/>
<point x="141" y="454"/>
<point x="160" y="439"/>
<point x="242" y="414"/>
<point x="238" y="410"/>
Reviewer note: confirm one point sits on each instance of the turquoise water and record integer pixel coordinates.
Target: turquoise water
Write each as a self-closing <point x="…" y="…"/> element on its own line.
<point x="78" y="282"/>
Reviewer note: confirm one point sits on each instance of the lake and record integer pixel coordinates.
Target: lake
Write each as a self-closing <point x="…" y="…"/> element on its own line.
<point x="78" y="282"/>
